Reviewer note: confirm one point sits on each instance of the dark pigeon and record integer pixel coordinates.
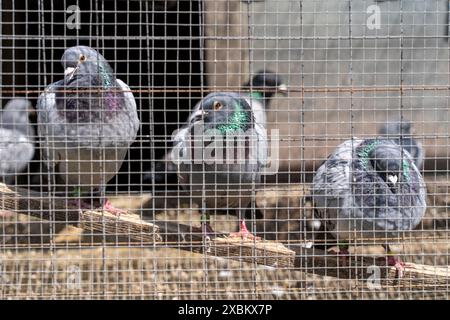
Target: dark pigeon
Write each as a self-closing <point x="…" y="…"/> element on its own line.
<point x="87" y="116"/>
<point x="264" y="85"/>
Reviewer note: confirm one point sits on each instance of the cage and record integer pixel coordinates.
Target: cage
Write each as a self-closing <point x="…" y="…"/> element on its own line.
<point x="250" y="150"/>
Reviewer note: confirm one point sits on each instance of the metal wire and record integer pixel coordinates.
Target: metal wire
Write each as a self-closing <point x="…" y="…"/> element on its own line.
<point x="349" y="68"/>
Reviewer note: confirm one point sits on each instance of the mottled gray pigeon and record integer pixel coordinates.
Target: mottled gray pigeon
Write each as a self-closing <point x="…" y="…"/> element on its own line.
<point x="400" y="132"/>
<point x="16" y="139"/>
<point x="369" y="189"/>
<point x="86" y="123"/>
<point x="211" y="164"/>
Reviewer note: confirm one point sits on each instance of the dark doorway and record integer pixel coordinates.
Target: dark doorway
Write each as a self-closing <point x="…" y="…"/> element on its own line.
<point x="154" y="46"/>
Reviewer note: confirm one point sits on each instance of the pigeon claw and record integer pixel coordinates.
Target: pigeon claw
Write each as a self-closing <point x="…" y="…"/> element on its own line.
<point x="243" y="233"/>
<point x="85" y="205"/>
<point x="113" y="210"/>
<point x="398" y="265"/>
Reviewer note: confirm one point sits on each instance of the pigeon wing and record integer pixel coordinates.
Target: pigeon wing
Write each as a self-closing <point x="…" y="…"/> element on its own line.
<point x="46" y="118"/>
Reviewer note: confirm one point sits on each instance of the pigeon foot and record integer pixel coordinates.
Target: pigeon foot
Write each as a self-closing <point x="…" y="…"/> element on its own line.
<point x="243" y="233"/>
<point x="115" y="211"/>
<point x="399" y="265"/>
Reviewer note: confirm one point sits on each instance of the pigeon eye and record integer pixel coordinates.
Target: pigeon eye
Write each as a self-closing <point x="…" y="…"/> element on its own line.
<point x="217" y="105"/>
<point x="82" y="57"/>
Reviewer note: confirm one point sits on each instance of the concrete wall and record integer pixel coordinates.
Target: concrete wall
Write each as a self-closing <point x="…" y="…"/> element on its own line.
<point x="308" y="43"/>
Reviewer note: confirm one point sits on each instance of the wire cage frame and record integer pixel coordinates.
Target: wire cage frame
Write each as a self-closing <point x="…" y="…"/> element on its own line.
<point x="273" y="149"/>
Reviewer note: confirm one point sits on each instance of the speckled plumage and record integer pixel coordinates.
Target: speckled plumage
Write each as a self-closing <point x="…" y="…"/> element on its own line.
<point x="354" y="198"/>
<point x="16" y="139"/>
<point x="77" y="127"/>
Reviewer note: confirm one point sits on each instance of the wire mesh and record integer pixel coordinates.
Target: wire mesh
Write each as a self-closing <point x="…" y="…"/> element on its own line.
<point x="250" y="150"/>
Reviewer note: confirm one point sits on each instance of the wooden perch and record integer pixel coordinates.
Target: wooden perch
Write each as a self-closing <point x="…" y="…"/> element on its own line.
<point x="40" y="206"/>
<point x="139" y="232"/>
<point x="184" y="237"/>
<point x="363" y="268"/>
<point x="262" y="252"/>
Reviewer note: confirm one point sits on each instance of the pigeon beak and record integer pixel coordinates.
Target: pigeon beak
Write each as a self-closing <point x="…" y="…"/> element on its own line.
<point x="204" y="113"/>
<point x="70" y="72"/>
<point x="393" y="179"/>
<point x="282" y="88"/>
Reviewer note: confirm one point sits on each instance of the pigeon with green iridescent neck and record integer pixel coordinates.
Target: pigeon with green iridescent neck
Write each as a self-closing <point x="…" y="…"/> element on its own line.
<point x="369" y="189"/>
<point x="219" y="155"/>
<point x="16" y="139"/>
<point x="258" y="93"/>
<point x="400" y="132"/>
<point x="86" y="122"/>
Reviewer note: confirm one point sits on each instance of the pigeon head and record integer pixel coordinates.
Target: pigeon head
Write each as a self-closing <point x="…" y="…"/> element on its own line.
<point x="226" y="112"/>
<point x="400" y="130"/>
<point x="388" y="161"/>
<point x="82" y="61"/>
<point x="265" y="84"/>
<point x="15" y="116"/>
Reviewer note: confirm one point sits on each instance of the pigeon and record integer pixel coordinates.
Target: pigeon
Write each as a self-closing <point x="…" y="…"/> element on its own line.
<point x="212" y="166"/>
<point x="369" y="189"/>
<point x="400" y="132"/>
<point x="86" y="124"/>
<point x="258" y="92"/>
<point x="16" y="139"/>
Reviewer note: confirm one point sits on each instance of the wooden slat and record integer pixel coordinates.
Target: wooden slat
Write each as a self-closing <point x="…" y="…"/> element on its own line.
<point x="143" y="233"/>
<point x="366" y="268"/>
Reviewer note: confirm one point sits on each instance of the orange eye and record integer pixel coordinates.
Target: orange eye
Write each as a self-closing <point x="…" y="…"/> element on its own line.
<point x="82" y="57"/>
<point x="217" y="105"/>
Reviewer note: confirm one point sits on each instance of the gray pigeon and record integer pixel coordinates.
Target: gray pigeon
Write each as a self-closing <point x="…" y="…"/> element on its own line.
<point x="369" y="189"/>
<point x="16" y="139"/>
<point x="400" y="132"/>
<point x="86" y="123"/>
<point x="258" y="93"/>
<point x="223" y="172"/>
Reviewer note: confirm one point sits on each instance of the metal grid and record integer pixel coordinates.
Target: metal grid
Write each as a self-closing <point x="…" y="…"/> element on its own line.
<point x="350" y="68"/>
